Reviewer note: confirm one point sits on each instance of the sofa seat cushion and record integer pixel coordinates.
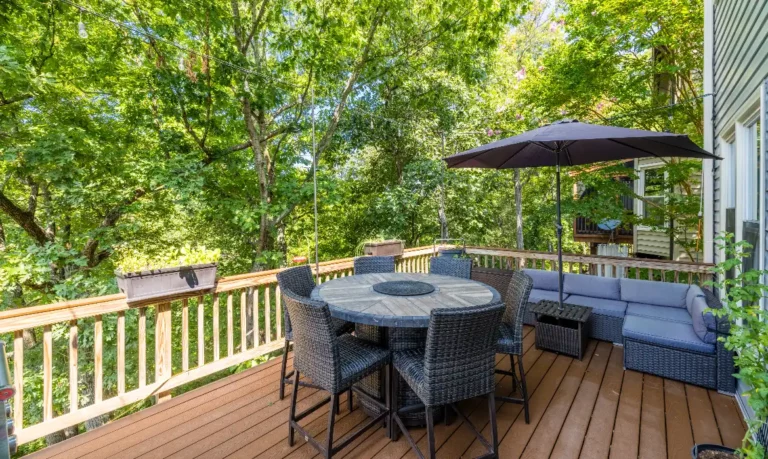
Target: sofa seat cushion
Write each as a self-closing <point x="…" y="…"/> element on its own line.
<point x="541" y="295"/>
<point x="659" y="312"/>
<point x="543" y="280"/>
<point x="591" y="286"/>
<point x="665" y="333"/>
<point x="600" y="306"/>
<point x="650" y="292"/>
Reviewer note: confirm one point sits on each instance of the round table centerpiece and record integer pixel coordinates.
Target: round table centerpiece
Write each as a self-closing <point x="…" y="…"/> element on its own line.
<point x="403" y="288"/>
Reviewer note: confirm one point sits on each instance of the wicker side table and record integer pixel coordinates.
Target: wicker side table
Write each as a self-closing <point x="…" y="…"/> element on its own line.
<point x="561" y="330"/>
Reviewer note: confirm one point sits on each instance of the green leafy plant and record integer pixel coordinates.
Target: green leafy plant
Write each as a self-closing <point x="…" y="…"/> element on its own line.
<point x="741" y="294"/>
<point x="133" y="261"/>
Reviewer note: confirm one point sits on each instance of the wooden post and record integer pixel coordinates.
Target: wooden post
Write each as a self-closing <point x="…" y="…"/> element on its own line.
<point x="163" y="366"/>
<point x="47" y="373"/>
<point x="73" y="396"/>
<point x="18" y="379"/>
<point x="142" y="347"/>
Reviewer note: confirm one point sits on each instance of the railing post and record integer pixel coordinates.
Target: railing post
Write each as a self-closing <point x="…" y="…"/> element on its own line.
<point x="163" y="366"/>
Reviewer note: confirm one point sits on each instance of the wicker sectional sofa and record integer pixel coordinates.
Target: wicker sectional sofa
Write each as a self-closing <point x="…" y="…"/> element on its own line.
<point x="663" y="326"/>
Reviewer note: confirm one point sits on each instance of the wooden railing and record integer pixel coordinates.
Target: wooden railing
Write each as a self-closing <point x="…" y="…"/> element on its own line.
<point x="245" y="323"/>
<point x="636" y="268"/>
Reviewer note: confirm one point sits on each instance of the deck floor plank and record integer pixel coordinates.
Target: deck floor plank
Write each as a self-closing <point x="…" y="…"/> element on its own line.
<point x="626" y="429"/>
<point x="653" y="430"/>
<point x="679" y="434"/>
<point x="588" y="408"/>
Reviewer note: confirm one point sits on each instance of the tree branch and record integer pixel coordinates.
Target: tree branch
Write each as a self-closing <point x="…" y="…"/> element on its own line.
<point x="24" y="218"/>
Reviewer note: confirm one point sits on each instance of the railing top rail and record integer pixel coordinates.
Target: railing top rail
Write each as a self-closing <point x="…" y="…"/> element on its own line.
<point x="47" y="314"/>
<point x="668" y="265"/>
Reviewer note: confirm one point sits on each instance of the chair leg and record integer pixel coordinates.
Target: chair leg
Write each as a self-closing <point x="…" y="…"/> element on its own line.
<point x="514" y="373"/>
<point x="292" y="414"/>
<point x="524" y="388"/>
<point x="431" y="431"/>
<point x="349" y="400"/>
<point x="494" y="431"/>
<point x="331" y="422"/>
<point x="395" y="404"/>
<point x="283" y="368"/>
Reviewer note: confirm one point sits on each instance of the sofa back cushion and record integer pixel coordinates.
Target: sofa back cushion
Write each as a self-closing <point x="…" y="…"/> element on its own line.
<point x="693" y="292"/>
<point x="594" y="286"/>
<point x="543" y="280"/>
<point x="704" y="323"/>
<point x="657" y="293"/>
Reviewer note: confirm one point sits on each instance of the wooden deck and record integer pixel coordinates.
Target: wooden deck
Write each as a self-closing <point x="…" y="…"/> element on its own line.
<point x="590" y="408"/>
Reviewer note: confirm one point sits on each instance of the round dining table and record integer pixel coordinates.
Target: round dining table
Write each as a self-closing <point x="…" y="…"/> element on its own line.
<point x="393" y="310"/>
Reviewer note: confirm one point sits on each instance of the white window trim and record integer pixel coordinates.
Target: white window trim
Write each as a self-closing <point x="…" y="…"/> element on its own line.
<point x="640" y="211"/>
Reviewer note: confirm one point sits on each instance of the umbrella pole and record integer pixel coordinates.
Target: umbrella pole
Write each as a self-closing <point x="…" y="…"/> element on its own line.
<point x="559" y="230"/>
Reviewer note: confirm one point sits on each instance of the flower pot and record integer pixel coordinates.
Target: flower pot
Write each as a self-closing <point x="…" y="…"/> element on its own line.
<point x="159" y="283"/>
<point x="384" y="248"/>
<point x="705" y="451"/>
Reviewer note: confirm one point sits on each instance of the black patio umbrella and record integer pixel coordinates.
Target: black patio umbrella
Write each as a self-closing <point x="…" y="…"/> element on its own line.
<point x="570" y="143"/>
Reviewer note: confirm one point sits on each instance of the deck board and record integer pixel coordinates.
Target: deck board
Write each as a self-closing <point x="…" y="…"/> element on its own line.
<point x="588" y="408"/>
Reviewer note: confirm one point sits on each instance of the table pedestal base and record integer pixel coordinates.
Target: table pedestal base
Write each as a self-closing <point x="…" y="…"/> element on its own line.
<point x="396" y="339"/>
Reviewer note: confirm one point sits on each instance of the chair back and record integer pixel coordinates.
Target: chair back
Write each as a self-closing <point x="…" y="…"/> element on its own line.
<point x="315" y="348"/>
<point x="460" y="353"/>
<point x="298" y="280"/>
<point x="450" y="266"/>
<point x="516" y="301"/>
<point x="374" y="264"/>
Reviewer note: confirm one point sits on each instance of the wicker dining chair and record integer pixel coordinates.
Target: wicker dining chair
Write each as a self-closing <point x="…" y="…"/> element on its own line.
<point x="375" y="264"/>
<point x="457" y="364"/>
<point x="333" y="363"/>
<point x="511" y="335"/>
<point x="300" y="281"/>
<point x="449" y="266"/>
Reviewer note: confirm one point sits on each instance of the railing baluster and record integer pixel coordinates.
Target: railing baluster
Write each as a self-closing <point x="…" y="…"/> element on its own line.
<point x="98" y="375"/>
<point x="677" y="277"/>
<point x="216" y="347"/>
<point x="230" y="326"/>
<point x="200" y="331"/>
<point x="267" y="317"/>
<point x="255" y="307"/>
<point x="47" y="373"/>
<point x="163" y="331"/>
<point x="18" y="379"/>
<point x="243" y="322"/>
<point x="73" y="393"/>
<point x="278" y="313"/>
<point x="142" y="347"/>
<point x="184" y="334"/>
<point x="121" y="352"/>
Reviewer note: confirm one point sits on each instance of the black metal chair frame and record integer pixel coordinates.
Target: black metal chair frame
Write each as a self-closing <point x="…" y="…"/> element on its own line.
<point x="328" y="449"/>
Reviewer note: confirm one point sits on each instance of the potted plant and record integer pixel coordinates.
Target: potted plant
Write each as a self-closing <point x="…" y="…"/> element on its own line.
<point x="176" y="271"/>
<point x="748" y="338"/>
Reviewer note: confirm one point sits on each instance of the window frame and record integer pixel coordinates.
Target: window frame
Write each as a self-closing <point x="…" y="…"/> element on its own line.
<point x="641" y="192"/>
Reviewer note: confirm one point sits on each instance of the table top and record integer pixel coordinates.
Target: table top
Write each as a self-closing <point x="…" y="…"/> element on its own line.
<point x="352" y="298"/>
<point x="569" y="311"/>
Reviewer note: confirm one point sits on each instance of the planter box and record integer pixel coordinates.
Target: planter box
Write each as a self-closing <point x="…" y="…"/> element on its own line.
<point x="384" y="248"/>
<point x="158" y="283"/>
<point x="451" y="253"/>
<point x="702" y="448"/>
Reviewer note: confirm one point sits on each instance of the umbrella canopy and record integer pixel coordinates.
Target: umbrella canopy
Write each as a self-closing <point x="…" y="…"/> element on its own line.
<point x="572" y="143"/>
<point x="578" y="143"/>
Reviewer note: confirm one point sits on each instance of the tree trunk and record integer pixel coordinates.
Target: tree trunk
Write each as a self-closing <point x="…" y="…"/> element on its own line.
<point x="519" y="210"/>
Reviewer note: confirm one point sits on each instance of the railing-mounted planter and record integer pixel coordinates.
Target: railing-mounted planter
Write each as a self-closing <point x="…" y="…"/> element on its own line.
<point x="384" y="248"/>
<point x="705" y="451"/>
<point x="159" y="283"/>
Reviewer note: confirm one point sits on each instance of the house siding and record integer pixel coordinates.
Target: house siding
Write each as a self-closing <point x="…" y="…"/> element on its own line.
<point x="740" y="66"/>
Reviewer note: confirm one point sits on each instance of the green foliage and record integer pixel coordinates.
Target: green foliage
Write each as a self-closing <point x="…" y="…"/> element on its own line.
<point x="132" y="261"/>
<point x="741" y="295"/>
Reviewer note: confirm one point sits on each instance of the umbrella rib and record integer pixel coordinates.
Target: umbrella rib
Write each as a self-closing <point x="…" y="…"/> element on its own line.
<point x="501" y="166"/>
<point x="471" y="157"/>
<point x="636" y="148"/>
<point x="713" y="156"/>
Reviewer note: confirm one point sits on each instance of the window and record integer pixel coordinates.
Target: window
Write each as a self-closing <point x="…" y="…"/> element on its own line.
<point x="653" y="191"/>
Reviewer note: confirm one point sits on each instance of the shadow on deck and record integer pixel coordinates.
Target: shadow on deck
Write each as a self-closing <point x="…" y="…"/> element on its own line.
<point x="590" y="408"/>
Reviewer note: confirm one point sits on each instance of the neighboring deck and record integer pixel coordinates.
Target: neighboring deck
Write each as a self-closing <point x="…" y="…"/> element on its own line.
<point x="590" y="408"/>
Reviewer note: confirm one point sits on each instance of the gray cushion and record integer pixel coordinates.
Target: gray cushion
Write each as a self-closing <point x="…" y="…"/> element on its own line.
<point x="665" y="333"/>
<point x="659" y="312"/>
<point x="594" y="286"/>
<point x="650" y="292"/>
<point x="704" y="323"/>
<point x="539" y="295"/>
<point x="543" y="280"/>
<point x="600" y="306"/>
<point x="694" y="291"/>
